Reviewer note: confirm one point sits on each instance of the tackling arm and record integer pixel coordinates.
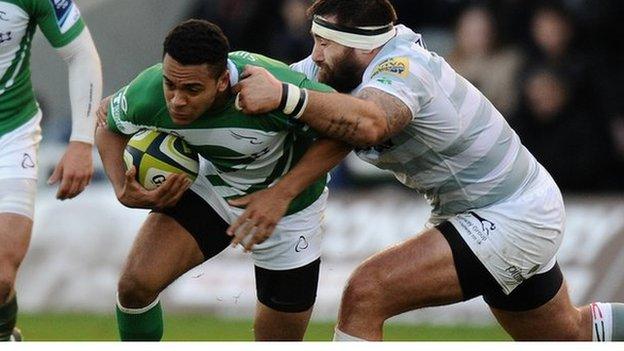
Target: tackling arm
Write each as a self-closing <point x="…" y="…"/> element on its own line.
<point x="368" y="119"/>
<point x="265" y="208"/>
<point x="319" y="159"/>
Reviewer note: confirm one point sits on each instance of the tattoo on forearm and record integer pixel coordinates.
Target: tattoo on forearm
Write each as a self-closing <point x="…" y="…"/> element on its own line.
<point x="342" y="129"/>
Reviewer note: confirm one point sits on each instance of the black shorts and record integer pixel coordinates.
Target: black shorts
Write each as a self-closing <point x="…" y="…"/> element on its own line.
<point x="292" y="290"/>
<point x="476" y="280"/>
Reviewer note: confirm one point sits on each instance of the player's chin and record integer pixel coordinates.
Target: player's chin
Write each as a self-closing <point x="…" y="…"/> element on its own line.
<point x="182" y="119"/>
<point x="323" y="76"/>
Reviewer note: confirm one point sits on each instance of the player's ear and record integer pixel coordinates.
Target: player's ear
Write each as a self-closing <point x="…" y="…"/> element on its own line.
<point x="223" y="83"/>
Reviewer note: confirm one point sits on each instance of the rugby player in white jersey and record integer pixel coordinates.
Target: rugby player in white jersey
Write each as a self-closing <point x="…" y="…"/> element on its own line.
<point x="63" y="27"/>
<point x="498" y="217"/>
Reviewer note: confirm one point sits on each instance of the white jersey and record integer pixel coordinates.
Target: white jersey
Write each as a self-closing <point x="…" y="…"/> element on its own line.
<point x="458" y="150"/>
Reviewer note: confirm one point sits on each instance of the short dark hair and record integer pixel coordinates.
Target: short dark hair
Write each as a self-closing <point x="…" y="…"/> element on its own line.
<point x="196" y="42"/>
<point x="355" y="13"/>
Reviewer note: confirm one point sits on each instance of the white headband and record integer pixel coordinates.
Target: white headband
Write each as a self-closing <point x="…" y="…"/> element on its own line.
<point x="366" y="38"/>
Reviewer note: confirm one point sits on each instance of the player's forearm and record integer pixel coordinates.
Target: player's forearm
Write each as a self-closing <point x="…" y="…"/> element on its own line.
<point x="85" y="85"/>
<point x="355" y="121"/>
<point x="111" y="147"/>
<point x="319" y="159"/>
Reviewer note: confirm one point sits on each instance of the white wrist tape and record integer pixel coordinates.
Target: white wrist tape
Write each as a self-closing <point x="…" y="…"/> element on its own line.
<point x="294" y="100"/>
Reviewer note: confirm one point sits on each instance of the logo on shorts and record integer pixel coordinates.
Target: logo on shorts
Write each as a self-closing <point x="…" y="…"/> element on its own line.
<point x="27" y="161"/>
<point x="302" y="244"/>
<point x="486" y="225"/>
<point x="515" y="273"/>
<point x="3" y="16"/>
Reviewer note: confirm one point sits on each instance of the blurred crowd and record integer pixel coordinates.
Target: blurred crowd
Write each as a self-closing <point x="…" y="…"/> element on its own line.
<point x="553" y="68"/>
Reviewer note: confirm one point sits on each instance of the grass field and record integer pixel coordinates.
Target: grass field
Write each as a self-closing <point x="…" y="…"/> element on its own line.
<point x="69" y="327"/>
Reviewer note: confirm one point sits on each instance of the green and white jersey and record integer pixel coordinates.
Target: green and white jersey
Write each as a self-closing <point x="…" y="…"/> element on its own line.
<point x="60" y="22"/>
<point x="248" y="153"/>
<point x="458" y="149"/>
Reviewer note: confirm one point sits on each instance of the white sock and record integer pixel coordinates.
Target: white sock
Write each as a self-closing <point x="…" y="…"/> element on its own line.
<point x="342" y="336"/>
<point x="602" y="321"/>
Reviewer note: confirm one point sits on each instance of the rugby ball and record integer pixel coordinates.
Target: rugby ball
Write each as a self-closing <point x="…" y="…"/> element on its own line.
<point x="156" y="155"/>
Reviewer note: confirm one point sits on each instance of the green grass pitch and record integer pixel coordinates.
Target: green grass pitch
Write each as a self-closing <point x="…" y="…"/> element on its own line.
<point x="92" y="327"/>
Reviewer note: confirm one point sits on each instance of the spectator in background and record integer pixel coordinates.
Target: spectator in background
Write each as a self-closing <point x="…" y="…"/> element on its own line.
<point x="233" y="16"/>
<point x="552" y="38"/>
<point x="575" y="150"/>
<point x="481" y="58"/>
<point x="592" y="80"/>
<point x="249" y="24"/>
<point x="293" y="42"/>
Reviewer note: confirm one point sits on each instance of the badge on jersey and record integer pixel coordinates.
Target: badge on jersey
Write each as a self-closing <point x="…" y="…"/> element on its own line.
<point x="67" y="14"/>
<point x="394" y="65"/>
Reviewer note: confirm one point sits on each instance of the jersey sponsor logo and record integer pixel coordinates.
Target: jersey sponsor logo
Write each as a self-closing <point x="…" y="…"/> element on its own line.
<point x="252" y="140"/>
<point x="384" y="80"/>
<point x="5" y="36"/>
<point x="67" y="14"/>
<point x="3" y="16"/>
<point x="119" y="104"/>
<point x="302" y="244"/>
<point x="394" y="65"/>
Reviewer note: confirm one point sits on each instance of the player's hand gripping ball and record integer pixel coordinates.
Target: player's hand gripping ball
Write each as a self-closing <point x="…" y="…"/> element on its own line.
<point x="156" y="155"/>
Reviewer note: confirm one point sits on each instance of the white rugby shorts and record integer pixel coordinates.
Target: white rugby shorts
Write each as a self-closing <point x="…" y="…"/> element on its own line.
<point x="18" y="168"/>
<point x="296" y="240"/>
<point x="18" y="150"/>
<point x="520" y="236"/>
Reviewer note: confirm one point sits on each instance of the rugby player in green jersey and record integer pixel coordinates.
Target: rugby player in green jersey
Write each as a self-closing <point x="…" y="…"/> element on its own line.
<point x="20" y="132"/>
<point x="190" y="95"/>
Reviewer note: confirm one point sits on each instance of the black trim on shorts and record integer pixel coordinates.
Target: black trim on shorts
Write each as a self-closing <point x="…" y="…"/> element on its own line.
<point x="202" y="222"/>
<point x="476" y="280"/>
<point x="292" y="290"/>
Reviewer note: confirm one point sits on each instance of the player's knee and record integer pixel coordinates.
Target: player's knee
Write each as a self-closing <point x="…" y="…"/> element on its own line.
<point x="134" y="292"/>
<point x="364" y="292"/>
<point x="6" y="286"/>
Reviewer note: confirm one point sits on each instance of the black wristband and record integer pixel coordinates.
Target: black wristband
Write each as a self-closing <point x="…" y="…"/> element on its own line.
<point x="282" y="104"/>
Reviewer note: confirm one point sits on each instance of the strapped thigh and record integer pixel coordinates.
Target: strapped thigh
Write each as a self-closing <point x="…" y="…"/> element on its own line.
<point x="291" y="290"/>
<point x="202" y="222"/>
<point x="476" y="280"/>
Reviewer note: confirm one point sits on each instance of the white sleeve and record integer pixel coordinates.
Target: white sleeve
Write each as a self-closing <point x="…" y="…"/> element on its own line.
<point x="307" y="67"/>
<point x="403" y="79"/>
<point x="85" y="84"/>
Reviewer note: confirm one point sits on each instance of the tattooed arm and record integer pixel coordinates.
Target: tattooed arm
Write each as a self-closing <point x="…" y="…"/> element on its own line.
<point x="368" y="119"/>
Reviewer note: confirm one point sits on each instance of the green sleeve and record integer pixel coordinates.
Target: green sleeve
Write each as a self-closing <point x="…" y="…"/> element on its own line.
<point x="59" y="20"/>
<point x="139" y="104"/>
